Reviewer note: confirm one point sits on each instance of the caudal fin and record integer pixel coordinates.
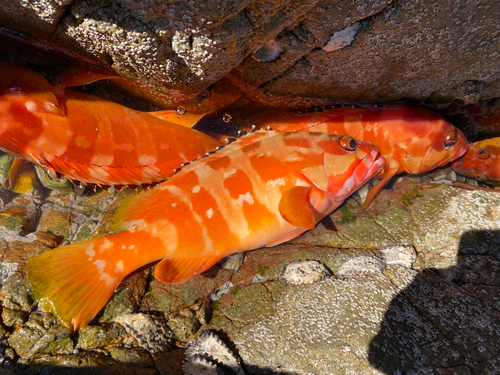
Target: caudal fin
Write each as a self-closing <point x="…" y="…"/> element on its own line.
<point x="74" y="282"/>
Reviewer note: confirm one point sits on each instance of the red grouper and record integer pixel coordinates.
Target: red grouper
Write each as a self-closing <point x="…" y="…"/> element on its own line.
<point x="481" y="162"/>
<point x="411" y="139"/>
<point x="264" y="189"/>
<point x="90" y="139"/>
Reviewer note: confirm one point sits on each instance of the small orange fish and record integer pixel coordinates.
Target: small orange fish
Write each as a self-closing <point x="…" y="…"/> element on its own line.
<point x="262" y="190"/>
<point x="411" y="139"/>
<point x="90" y="139"/>
<point x="481" y="162"/>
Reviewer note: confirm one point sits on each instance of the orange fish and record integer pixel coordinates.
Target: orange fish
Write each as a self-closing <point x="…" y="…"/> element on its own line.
<point x="412" y="139"/>
<point x="90" y="139"/>
<point x="262" y="190"/>
<point x="481" y="162"/>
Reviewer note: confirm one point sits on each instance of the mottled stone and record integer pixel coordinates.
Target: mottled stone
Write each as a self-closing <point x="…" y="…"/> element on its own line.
<point x="14" y="317"/>
<point x="92" y="337"/>
<point x="15" y="218"/>
<point x="40" y="336"/>
<point x="152" y="332"/>
<point x="184" y="325"/>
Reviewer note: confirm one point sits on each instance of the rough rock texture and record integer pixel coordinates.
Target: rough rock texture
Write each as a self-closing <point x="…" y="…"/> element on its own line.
<point x="425" y="51"/>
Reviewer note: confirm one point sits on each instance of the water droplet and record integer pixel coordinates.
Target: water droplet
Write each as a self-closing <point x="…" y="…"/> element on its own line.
<point x="17" y="90"/>
<point x="181" y="111"/>
<point x="227" y="117"/>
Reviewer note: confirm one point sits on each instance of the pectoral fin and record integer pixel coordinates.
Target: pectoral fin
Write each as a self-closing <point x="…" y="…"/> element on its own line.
<point x="176" y="270"/>
<point x="295" y="207"/>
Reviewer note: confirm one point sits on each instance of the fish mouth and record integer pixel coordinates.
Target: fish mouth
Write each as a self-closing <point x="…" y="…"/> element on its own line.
<point x="375" y="161"/>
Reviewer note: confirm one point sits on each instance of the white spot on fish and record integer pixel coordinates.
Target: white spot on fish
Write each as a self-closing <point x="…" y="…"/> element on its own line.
<point x="131" y="247"/>
<point x="229" y="173"/>
<point x="245" y="198"/>
<point x="101" y="159"/>
<point x="124" y="247"/>
<point x="196" y="189"/>
<point x="100" y="264"/>
<point x="147" y="159"/>
<point x="210" y="213"/>
<point x="30" y="106"/>
<point x="106" y="245"/>
<point x="109" y="280"/>
<point x="277" y="182"/>
<point x="90" y="252"/>
<point x="119" y="267"/>
<point x="174" y="204"/>
<point x="183" y="157"/>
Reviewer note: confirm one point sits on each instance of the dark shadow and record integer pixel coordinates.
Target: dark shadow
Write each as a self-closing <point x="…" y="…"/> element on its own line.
<point x="446" y="321"/>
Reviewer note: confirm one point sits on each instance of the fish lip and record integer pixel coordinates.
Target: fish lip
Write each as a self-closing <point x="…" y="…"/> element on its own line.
<point x="377" y="162"/>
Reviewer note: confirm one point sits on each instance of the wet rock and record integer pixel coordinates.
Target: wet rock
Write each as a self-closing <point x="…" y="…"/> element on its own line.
<point x="6" y="161"/>
<point x="14" y="317"/>
<point x="16" y="293"/>
<point x="15" y="218"/>
<point x="92" y="337"/>
<point x="41" y="335"/>
<point x="56" y="222"/>
<point x="184" y="325"/>
<point x="152" y="332"/>
<point x="304" y="272"/>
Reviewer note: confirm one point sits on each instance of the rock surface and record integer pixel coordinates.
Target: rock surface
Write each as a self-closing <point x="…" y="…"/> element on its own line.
<point x="424" y="51"/>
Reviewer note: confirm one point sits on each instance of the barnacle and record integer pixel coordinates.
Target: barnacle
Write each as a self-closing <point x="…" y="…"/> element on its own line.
<point x="210" y="352"/>
<point x="304" y="272"/>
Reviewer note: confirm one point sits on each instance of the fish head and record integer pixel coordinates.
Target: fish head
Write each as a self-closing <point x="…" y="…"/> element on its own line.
<point x="481" y="162"/>
<point x="427" y="142"/>
<point x="338" y="165"/>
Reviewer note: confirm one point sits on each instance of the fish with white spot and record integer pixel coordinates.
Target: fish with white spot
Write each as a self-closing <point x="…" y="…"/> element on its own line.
<point x="411" y="139"/>
<point x="203" y="213"/>
<point x="91" y="139"/>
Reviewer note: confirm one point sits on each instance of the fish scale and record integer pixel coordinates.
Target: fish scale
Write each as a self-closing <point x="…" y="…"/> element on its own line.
<point x="259" y="191"/>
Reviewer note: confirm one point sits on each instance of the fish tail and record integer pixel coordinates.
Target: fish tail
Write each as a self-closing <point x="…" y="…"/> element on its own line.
<point x="74" y="282"/>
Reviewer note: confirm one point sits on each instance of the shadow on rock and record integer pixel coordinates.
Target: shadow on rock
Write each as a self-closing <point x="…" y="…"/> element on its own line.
<point x="446" y="320"/>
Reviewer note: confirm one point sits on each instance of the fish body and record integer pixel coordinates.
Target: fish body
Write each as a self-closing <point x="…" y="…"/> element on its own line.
<point x="411" y="139"/>
<point x="90" y="139"/>
<point x="253" y="193"/>
<point x="482" y="161"/>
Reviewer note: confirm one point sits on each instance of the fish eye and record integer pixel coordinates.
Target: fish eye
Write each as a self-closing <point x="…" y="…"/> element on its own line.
<point x="480" y="177"/>
<point x="348" y="143"/>
<point x="483" y="153"/>
<point x="451" y="139"/>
